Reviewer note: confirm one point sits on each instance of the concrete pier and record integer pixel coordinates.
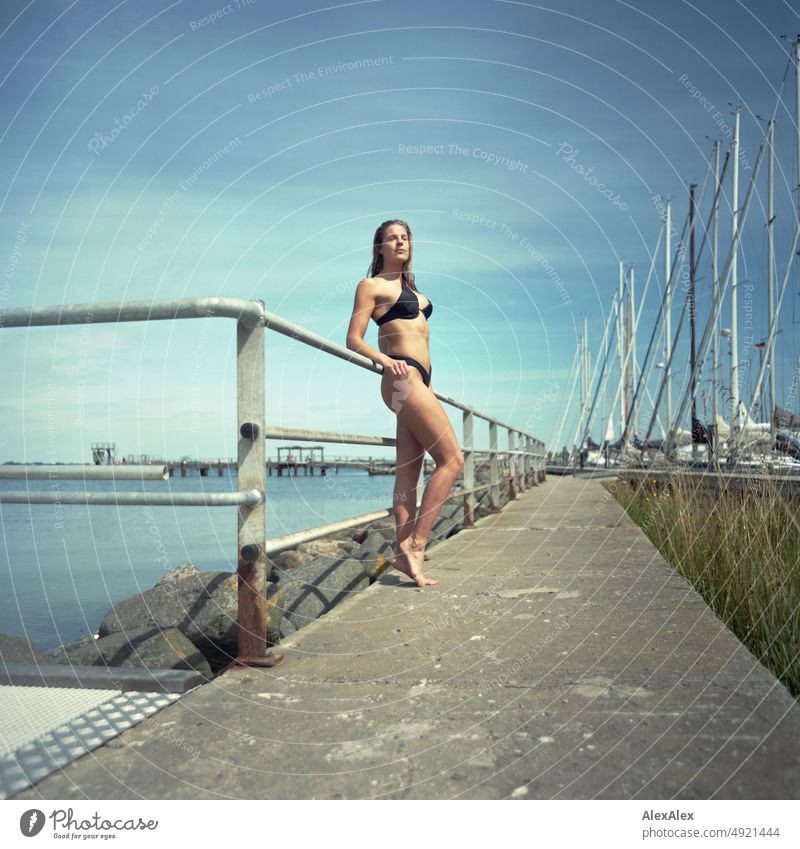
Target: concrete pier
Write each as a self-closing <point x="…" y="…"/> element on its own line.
<point x="559" y="657"/>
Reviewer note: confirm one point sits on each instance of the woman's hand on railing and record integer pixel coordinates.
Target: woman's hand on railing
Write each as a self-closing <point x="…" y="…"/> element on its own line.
<point x="399" y="368"/>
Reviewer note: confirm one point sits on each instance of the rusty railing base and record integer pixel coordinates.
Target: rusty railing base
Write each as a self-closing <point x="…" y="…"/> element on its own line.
<point x="267" y="660"/>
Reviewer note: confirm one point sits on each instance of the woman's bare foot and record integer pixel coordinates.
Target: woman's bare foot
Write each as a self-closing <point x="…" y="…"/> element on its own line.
<point x="410" y="561"/>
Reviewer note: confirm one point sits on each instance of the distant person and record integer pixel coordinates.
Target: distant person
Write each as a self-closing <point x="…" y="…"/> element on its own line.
<point x="390" y="296"/>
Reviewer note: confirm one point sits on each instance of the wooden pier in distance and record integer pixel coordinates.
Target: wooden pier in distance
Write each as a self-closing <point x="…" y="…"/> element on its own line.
<point x="226" y="466"/>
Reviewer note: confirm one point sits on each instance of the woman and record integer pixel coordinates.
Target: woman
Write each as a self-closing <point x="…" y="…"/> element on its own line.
<point x="389" y="295"/>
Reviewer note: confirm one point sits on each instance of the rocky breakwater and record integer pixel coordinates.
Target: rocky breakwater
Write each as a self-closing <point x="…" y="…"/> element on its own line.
<point x="188" y="619"/>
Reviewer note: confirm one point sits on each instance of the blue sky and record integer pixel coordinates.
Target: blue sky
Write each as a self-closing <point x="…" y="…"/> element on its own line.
<point x="159" y="150"/>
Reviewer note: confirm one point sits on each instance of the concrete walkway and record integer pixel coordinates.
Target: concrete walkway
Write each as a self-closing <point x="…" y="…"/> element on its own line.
<point x="559" y="657"/>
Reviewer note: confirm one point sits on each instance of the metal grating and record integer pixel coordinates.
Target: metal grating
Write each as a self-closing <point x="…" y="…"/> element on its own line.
<point x="27" y="713"/>
<point x="60" y="725"/>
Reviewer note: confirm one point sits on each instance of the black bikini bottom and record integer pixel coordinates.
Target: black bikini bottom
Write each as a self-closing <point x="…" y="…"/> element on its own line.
<point x="426" y="376"/>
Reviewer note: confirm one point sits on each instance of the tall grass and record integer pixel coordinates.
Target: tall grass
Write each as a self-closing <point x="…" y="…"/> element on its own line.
<point x="739" y="549"/>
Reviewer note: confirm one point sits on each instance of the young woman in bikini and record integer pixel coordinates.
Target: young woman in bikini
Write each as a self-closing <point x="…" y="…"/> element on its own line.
<point x="389" y="295"/>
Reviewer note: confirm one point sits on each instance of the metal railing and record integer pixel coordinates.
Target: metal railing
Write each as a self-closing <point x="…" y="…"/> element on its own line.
<point x="523" y="462"/>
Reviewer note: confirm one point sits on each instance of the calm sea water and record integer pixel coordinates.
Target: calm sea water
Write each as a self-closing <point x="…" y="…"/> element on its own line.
<point x="60" y="572"/>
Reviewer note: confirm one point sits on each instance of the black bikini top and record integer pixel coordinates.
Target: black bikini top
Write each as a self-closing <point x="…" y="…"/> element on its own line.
<point x="406" y="306"/>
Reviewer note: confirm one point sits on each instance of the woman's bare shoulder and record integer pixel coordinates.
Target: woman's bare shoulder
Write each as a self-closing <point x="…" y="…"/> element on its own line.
<point x="373" y="286"/>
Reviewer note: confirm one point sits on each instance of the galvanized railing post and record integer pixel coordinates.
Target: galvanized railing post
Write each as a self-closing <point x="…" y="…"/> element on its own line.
<point x="469" y="468"/>
<point x="494" y="469"/>
<point x="523" y="461"/>
<point x="512" y="470"/>
<point x="252" y="559"/>
<point x="523" y="467"/>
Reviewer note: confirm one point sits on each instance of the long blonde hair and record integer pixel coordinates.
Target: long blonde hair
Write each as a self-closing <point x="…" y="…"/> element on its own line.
<point x="377" y="260"/>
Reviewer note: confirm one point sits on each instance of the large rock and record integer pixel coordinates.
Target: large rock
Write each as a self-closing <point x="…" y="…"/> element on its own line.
<point x="448" y="522"/>
<point x="483" y="505"/>
<point x="387" y="528"/>
<point x="151" y="648"/>
<point x="360" y="532"/>
<point x="65" y="653"/>
<point x="19" y="650"/>
<point x="334" y="549"/>
<point x="202" y="605"/>
<point x="350" y="534"/>
<point x="375" y="554"/>
<point x="306" y="593"/>
<point x="292" y="559"/>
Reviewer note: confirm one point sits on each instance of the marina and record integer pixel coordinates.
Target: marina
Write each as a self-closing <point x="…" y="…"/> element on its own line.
<point x="632" y="404"/>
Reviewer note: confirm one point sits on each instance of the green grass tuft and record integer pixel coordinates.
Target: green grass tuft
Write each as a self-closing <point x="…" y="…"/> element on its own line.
<point x="739" y="549"/>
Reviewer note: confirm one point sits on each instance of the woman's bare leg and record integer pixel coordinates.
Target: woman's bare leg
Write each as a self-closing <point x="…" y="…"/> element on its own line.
<point x="420" y="415"/>
<point x="410" y="455"/>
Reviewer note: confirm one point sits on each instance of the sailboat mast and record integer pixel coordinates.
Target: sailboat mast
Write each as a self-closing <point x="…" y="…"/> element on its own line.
<point x="573" y="379"/>
<point x="771" y="274"/>
<point x="582" y="366"/>
<point x="735" y="285"/>
<point x="667" y="308"/>
<point x="586" y="379"/>
<point x="632" y="359"/>
<point x="692" y="343"/>
<point x="797" y="115"/>
<point x="621" y="349"/>
<point x="627" y="364"/>
<point x="714" y="296"/>
<point x="586" y="362"/>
